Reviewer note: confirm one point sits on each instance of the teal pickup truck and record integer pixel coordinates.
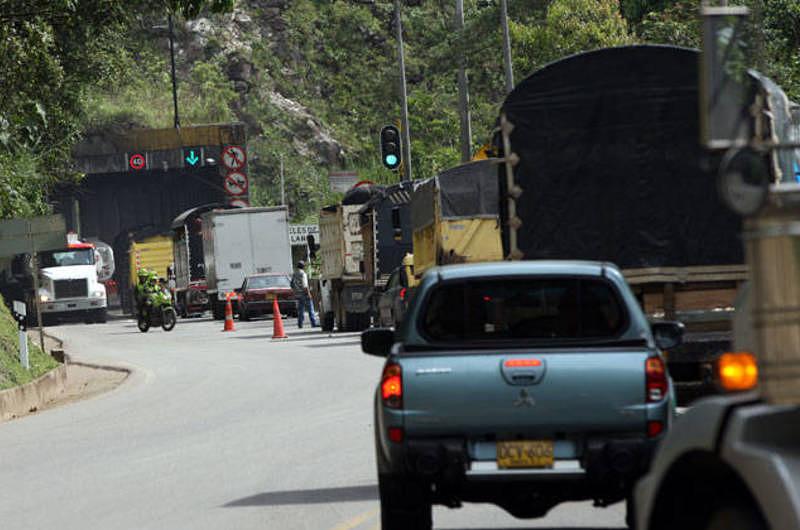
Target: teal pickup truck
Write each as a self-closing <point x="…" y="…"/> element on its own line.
<point x="523" y="384"/>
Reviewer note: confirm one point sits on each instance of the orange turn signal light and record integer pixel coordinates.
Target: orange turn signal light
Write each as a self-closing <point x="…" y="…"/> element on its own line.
<point x="737" y="372"/>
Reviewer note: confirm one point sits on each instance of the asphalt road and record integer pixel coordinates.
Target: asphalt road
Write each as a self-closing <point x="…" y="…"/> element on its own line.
<point x="218" y="431"/>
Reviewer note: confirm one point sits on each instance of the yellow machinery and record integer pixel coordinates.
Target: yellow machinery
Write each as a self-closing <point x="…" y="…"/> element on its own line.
<point x="455" y="217"/>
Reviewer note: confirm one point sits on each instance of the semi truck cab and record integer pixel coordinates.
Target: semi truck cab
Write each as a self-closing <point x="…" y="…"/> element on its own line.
<point x="69" y="285"/>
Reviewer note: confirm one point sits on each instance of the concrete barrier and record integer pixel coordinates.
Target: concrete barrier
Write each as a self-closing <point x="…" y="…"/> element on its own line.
<point x="31" y="396"/>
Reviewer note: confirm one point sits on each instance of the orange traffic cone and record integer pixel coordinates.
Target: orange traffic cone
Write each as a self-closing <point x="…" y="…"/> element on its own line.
<point x="277" y="321"/>
<point x="228" y="315"/>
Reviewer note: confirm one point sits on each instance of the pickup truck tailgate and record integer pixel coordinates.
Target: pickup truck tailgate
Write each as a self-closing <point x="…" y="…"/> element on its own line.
<point x="542" y="393"/>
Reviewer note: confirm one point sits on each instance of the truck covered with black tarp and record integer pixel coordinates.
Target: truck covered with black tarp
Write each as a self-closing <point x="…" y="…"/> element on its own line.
<point x="606" y="165"/>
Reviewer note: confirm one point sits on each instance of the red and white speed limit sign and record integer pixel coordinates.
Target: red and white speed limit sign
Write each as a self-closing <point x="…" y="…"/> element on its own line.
<point x="236" y="183"/>
<point x="234" y="157"/>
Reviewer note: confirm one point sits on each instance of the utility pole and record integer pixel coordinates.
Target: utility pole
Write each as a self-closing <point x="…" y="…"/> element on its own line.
<point x="405" y="133"/>
<point x="174" y="80"/>
<point x="463" y="87"/>
<point x="506" y="46"/>
<point x="283" y="189"/>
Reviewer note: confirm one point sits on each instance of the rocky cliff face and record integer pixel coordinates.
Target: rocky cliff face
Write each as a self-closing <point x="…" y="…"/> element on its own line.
<point x="258" y="26"/>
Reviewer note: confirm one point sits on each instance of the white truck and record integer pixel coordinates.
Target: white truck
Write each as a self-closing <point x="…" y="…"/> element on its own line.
<point x="240" y="242"/>
<point x="69" y="287"/>
<point x="345" y="289"/>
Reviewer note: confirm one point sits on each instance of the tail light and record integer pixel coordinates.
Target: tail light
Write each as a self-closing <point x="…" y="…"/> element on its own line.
<point x="392" y="386"/>
<point x="403" y="293"/>
<point x="656" y="379"/>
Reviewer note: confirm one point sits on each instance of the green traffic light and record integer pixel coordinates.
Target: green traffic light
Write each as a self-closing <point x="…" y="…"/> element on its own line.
<point x="391" y="160"/>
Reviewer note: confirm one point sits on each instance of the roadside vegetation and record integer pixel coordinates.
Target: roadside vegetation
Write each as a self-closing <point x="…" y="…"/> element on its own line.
<point x="313" y="80"/>
<point x="11" y="371"/>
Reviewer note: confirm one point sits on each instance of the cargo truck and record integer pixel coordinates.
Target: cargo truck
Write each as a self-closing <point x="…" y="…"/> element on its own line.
<point x="611" y="170"/>
<point x="455" y="218"/>
<point x="345" y="289"/>
<point x="191" y="289"/>
<point x="240" y="242"/>
<point x="387" y="234"/>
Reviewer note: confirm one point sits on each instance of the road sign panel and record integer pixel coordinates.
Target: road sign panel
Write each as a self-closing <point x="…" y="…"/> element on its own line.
<point x="137" y="161"/>
<point x="234" y="157"/>
<point x="239" y="203"/>
<point x="236" y="183"/>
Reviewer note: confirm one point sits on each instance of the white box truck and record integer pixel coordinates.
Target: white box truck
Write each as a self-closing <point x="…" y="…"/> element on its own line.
<point x="241" y="242"/>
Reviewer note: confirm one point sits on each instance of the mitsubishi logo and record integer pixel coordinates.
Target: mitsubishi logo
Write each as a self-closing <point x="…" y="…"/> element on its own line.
<point x="524" y="399"/>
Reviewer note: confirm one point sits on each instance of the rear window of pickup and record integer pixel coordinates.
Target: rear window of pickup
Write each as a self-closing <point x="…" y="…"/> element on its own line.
<point x="547" y="309"/>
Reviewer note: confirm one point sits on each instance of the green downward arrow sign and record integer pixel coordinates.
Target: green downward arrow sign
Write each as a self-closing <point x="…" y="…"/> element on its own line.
<point x="192" y="158"/>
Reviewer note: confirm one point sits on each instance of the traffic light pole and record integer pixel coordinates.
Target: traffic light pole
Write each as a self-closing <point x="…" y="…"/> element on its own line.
<point x="405" y="133"/>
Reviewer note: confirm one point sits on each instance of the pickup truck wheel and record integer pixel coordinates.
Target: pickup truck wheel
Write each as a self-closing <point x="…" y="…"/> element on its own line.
<point x="736" y="518"/>
<point x="405" y="503"/>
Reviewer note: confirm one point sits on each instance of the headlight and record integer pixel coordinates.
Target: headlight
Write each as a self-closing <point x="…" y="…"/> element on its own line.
<point x="99" y="294"/>
<point x="43" y="298"/>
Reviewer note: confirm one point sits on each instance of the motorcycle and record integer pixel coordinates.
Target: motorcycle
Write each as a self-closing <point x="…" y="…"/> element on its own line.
<point x="157" y="310"/>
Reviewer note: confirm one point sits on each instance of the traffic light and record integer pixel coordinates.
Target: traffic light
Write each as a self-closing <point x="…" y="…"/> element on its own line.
<point x="390" y="147"/>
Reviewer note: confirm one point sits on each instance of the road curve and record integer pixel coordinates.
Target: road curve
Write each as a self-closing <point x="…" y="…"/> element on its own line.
<point x="218" y="431"/>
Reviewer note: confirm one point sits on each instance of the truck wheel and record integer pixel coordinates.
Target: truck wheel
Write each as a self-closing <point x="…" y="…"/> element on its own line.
<point x="356" y="321"/>
<point x="326" y="321"/>
<point x="405" y="503"/>
<point x="218" y="310"/>
<point x="736" y="518"/>
<point x="101" y="316"/>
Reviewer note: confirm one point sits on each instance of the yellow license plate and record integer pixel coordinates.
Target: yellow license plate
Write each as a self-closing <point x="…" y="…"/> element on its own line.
<point x="525" y="454"/>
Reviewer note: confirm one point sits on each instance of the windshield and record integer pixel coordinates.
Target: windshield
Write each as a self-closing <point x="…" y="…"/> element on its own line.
<point x="264" y="282"/>
<point x="63" y="258"/>
<point x="547" y="309"/>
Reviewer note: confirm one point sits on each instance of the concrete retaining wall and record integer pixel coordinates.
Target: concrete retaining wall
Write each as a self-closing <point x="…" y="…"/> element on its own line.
<point x="28" y="397"/>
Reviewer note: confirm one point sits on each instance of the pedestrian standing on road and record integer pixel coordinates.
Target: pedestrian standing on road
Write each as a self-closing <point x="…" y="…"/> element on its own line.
<point x="303" y="295"/>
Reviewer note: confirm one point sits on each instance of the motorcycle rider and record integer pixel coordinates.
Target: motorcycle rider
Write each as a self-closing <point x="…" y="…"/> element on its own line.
<point x="145" y="289"/>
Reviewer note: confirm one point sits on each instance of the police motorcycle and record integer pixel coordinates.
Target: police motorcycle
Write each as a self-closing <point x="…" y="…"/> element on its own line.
<point x="155" y="305"/>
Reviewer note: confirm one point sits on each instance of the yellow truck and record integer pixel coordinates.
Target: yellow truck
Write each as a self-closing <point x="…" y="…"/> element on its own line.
<point x="455" y="217"/>
<point x="153" y="253"/>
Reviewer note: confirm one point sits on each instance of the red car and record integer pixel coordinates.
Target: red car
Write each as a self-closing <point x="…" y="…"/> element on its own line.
<point x="257" y="292"/>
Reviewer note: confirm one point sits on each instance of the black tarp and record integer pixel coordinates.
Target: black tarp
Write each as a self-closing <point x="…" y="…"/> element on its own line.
<point x="466" y="191"/>
<point x="469" y="190"/>
<point x="610" y="162"/>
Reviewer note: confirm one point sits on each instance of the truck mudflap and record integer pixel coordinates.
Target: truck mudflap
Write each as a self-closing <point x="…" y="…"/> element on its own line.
<point x="691" y="365"/>
<point x="357" y="298"/>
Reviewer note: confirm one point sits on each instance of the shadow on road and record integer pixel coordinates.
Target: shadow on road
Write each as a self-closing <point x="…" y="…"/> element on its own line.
<point x="311" y="496"/>
<point x="540" y="528"/>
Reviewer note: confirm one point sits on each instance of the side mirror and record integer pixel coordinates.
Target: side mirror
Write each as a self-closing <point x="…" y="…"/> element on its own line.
<point x="377" y="341"/>
<point x="667" y="335"/>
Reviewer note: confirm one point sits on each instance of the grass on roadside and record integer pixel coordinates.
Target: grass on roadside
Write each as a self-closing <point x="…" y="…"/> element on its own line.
<point x="11" y="371"/>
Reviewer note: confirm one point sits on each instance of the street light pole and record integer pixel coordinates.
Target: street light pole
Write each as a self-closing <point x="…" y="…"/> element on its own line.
<point x="406" y="132"/>
<point x="174" y="80"/>
<point x="463" y="87"/>
<point x="506" y="46"/>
